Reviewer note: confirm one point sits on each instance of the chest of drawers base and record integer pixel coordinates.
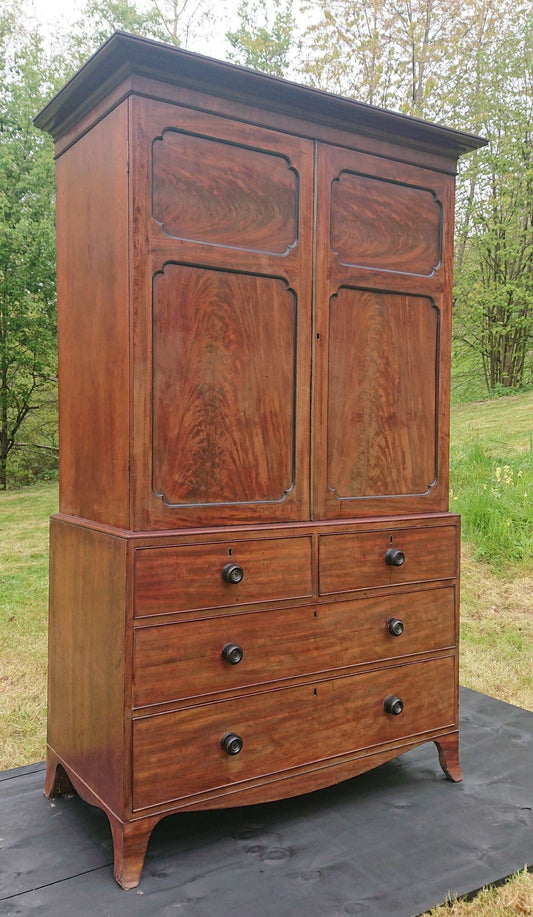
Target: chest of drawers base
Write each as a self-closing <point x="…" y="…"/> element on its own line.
<point x="206" y="669"/>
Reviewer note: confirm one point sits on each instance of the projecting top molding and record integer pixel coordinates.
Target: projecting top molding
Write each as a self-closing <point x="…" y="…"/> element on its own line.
<point x="111" y="73"/>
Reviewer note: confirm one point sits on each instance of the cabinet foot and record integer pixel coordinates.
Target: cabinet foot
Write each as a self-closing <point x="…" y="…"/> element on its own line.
<point x="448" y="749"/>
<point x="56" y="782"/>
<point x="130" y="841"/>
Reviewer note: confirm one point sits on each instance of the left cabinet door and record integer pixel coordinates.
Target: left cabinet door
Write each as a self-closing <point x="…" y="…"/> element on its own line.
<point x="221" y="280"/>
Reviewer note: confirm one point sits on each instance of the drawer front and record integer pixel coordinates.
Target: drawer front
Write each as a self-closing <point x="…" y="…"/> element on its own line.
<point x="179" y="754"/>
<point x="357" y="560"/>
<point x="190" y="577"/>
<point x="175" y="661"/>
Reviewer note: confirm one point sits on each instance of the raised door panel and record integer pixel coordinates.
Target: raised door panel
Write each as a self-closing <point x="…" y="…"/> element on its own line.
<point x="224" y="193"/>
<point x="382" y="337"/>
<point x="222" y="216"/>
<point x="224" y="388"/>
<point x="382" y="384"/>
<point x="377" y="223"/>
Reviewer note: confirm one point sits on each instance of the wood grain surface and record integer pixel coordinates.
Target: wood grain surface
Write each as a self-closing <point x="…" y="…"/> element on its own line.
<point x="382" y="380"/>
<point x="179" y="661"/>
<point x="384" y="224"/>
<point x="223" y="193"/>
<point x="88" y="657"/>
<point x="224" y="387"/>
<point x="190" y="576"/>
<point x="357" y="560"/>
<point x="93" y="323"/>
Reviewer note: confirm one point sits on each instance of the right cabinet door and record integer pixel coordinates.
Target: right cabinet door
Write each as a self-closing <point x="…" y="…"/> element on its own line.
<point x="382" y="336"/>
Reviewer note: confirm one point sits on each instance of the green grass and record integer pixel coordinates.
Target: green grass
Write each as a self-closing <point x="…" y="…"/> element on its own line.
<point x="504" y="425"/>
<point x="23" y="622"/>
<point x="491" y="477"/>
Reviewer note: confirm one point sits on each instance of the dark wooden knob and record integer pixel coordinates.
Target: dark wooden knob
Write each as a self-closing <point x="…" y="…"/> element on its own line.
<point x="231" y="743"/>
<point x="232" y="573"/>
<point x="232" y="653"/>
<point x="393" y="705"/>
<point x="395" y="627"/>
<point x="394" y="557"/>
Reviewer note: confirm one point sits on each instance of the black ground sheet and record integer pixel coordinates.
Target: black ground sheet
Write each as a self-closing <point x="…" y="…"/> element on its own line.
<point x="390" y="843"/>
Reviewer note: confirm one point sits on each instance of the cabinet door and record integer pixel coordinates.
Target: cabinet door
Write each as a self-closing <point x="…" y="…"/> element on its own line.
<point x="222" y="220"/>
<point x="382" y="337"/>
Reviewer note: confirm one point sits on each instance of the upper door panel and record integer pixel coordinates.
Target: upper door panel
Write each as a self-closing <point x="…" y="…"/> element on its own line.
<point x="222" y="319"/>
<point x="382" y="337"/>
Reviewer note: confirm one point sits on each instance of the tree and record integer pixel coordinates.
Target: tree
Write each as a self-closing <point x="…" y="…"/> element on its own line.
<point x="470" y="65"/>
<point x="265" y="46"/>
<point x="494" y="264"/>
<point x="177" y="22"/>
<point x="27" y="244"/>
<point x="392" y="53"/>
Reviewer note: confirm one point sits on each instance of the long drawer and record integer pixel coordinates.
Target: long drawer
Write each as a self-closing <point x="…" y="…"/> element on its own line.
<point x="180" y="754"/>
<point x="189" y="577"/>
<point x="189" y="659"/>
<point x="363" y="560"/>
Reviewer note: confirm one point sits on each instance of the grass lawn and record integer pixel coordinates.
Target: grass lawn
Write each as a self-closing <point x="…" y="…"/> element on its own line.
<point x="491" y="486"/>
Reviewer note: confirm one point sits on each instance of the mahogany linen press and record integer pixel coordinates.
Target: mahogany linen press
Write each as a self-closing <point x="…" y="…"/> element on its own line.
<point x="253" y="573"/>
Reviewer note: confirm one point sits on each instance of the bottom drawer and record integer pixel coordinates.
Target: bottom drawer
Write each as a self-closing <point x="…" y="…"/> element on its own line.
<point x="180" y="754"/>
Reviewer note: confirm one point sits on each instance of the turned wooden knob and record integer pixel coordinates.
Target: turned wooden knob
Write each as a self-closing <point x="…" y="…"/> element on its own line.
<point x="232" y="573"/>
<point x="394" y="557"/>
<point x="393" y="705"/>
<point x="231" y="743"/>
<point x="232" y="653"/>
<point x="395" y="627"/>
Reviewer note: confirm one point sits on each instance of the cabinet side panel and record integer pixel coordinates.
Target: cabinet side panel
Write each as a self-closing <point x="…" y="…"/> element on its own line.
<point x="93" y="296"/>
<point x="86" y="656"/>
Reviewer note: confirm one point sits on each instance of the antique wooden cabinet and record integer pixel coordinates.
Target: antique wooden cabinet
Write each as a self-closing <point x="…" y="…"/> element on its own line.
<point x="254" y="574"/>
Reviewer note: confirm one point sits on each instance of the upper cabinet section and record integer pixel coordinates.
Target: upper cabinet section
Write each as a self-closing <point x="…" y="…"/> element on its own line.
<point x="254" y="292"/>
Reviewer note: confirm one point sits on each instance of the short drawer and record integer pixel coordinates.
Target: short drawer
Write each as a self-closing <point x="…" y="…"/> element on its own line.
<point x="189" y="577"/>
<point x="191" y="659"/>
<point x="180" y="754"/>
<point x="358" y="560"/>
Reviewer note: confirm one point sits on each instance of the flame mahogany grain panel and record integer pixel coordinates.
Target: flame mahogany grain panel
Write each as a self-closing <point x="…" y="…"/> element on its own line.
<point x="382" y="385"/>
<point x="341" y="715"/>
<point x="224" y="387"/>
<point x="383" y="224"/>
<point x="224" y="194"/>
<point x="286" y="644"/>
